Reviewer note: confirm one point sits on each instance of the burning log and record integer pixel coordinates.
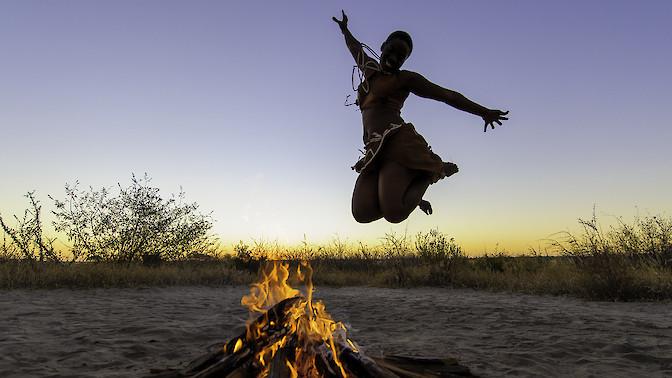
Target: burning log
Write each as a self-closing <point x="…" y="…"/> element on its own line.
<point x="241" y="349"/>
<point x="295" y="337"/>
<point x="281" y="365"/>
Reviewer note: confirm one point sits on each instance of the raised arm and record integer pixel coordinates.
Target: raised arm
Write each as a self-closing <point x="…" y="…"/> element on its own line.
<point x="418" y="85"/>
<point x="365" y="63"/>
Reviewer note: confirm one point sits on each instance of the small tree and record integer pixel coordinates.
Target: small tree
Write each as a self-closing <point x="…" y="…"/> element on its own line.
<point x="136" y="224"/>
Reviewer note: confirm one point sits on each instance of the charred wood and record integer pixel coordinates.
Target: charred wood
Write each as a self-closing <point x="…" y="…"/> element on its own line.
<point x="238" y="358"/>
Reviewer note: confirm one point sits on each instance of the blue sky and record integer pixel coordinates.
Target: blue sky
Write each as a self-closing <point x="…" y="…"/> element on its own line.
<point x="241" y="104"/>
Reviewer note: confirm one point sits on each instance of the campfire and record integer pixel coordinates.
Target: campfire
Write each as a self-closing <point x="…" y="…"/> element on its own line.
<point x="291" y="335"/>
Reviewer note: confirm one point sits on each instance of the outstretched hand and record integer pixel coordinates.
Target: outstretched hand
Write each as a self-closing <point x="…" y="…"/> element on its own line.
<point x="343" y="24"/>
<point x="494" y="116"/>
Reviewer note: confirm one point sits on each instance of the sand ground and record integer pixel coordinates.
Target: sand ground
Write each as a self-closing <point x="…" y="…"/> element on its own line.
<point x="127" y="332"/>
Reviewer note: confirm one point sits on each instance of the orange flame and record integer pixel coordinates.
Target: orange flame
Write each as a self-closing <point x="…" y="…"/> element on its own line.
<point x="308" y="324"/>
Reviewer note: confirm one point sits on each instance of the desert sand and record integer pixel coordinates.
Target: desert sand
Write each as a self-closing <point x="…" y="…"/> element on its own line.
<point x="128" y="332"/>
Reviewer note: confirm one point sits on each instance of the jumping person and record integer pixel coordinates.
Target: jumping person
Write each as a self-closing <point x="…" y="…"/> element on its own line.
<point x="398" y="165"/>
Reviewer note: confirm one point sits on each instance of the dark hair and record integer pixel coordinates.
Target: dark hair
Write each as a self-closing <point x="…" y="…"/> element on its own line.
<point x="401" y="35"/>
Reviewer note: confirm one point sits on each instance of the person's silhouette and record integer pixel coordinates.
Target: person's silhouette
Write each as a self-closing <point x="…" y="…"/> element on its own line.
<point x="398" y="165"/>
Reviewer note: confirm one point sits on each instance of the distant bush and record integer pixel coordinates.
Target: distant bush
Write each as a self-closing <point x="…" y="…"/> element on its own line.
<point x="650" y="238"/>
<point x="26" y="240"/>
<point x="436" y="246"/>
<point x="615" y="262"/>
<point x="647" y="240"/>
<point x="137" y="224"/>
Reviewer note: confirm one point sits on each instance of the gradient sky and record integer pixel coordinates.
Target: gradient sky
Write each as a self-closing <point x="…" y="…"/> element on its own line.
<point x="242" y="104"/>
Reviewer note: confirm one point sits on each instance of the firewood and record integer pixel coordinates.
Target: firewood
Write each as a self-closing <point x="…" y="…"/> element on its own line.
<point x="226" y="365"/>
<point x="238" y="357"/>
<point x="423" y="367"/>
<point x="274" y="319"/>
<point x="205" y="361"/>
<point x="279" y="368"/>
<point x="363" y="366"/>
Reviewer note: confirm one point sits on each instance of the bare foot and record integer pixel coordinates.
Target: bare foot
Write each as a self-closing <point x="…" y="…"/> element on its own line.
<point x="450" y="168"/>
<point x="425" y="206"/>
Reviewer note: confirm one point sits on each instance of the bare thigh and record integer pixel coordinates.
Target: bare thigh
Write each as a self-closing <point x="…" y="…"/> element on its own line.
<point x="365" y="205"/>
<point x="400" y="189"/>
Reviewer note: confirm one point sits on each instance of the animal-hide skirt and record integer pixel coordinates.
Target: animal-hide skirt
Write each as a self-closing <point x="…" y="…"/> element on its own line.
<point x="402" y="144"/>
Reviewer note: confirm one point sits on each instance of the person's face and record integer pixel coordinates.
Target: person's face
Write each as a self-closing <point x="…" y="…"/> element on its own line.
<point x="394" y="54"/>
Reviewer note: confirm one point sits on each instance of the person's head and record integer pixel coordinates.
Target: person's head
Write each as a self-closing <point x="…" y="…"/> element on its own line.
<point x="395" y="50"/>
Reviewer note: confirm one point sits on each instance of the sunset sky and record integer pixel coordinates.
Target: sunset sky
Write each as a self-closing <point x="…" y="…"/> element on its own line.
<point x="241" y="103"/>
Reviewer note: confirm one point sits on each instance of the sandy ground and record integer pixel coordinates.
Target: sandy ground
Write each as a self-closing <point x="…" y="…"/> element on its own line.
<point x="127" y="332"/>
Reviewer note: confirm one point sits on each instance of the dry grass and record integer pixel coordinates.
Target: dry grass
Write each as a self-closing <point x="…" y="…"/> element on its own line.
<point x="527" y="274"/>
<point x="24" y="275"/>
<point x="630" y="263"/>
<point x="626" y="262"/>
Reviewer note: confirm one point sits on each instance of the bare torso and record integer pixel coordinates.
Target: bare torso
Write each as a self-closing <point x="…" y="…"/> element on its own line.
<point x="379" y="116"/>
<point x="378" y="120"/>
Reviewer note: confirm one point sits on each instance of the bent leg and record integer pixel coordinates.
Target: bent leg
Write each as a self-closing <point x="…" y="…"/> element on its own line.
<point x="365" y="206"/>
<point x="400" y="190"/>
